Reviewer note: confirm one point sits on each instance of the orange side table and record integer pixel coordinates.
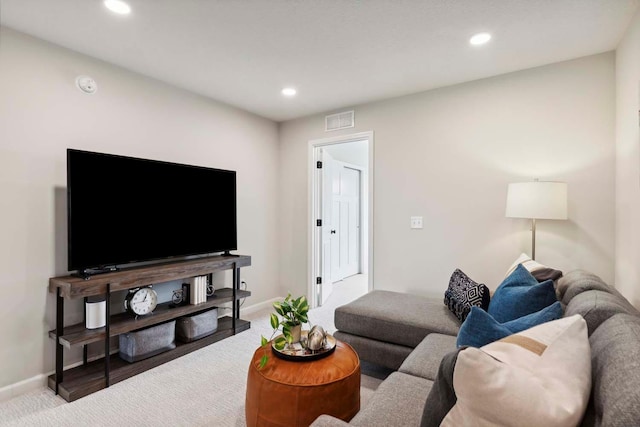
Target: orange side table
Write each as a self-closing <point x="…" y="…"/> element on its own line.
<point x="294" y="393"/>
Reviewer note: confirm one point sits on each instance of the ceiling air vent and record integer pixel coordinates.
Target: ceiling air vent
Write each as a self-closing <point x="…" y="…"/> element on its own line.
<point x="339" y="121"/>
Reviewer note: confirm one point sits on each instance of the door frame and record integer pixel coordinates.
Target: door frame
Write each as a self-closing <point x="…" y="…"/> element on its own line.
<point x="315" y="210"/>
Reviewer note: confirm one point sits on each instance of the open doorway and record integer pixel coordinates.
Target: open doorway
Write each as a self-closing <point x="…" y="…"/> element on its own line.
<point x="341" y="217"/>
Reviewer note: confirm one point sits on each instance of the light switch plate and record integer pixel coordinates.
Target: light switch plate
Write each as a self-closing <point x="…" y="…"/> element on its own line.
<point x="416" y="222"/>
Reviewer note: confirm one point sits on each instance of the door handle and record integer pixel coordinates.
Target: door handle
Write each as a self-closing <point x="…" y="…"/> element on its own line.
<point x="333" y="231"/>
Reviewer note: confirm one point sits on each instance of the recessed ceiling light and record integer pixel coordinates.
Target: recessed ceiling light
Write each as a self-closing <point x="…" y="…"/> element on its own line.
<point x="480" y="38"/>
<point x="118" y="6"/>
<point x="289" y="91"/>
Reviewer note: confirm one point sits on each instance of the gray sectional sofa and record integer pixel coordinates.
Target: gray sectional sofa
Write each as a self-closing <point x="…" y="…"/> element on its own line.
<point x="412" y="334"/>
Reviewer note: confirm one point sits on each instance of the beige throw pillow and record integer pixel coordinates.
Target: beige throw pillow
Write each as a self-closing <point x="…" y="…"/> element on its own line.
<point x="538" y="377"/>
<point x="527" y="263"/>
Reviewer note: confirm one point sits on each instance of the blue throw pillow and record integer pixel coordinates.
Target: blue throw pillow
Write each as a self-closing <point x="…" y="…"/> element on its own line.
<point x="521" y="294"/>
<point x="480" y="328"/>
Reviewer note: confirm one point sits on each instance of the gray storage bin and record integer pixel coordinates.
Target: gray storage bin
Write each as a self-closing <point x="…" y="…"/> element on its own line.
<point x="138" y="345"/>
<point x="191" y="328"/>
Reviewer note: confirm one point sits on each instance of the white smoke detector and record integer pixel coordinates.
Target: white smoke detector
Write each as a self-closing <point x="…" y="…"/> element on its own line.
<point x="86" y="84"/>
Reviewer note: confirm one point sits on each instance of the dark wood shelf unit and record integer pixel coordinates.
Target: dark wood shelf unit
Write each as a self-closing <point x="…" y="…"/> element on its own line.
<point x="92" y="376"/>
<point x="86" y="379"/>
<point x="128" y="278"/>
<point x="124" y="322"/>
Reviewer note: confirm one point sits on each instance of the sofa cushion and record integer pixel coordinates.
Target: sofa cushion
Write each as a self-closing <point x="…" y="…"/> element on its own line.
<point x="615" y="359"/>
<point x="374" y="351"/>
<point x="540" y="377"/>
<point x="464" y="293"/>
<point x="425" y="358"/>
<point x="442" y="396"/>
<point x="397" y="402"/>
<point x="520" y="294"/>
<point x="396" y="317"/>
<point x="597" y="306"/>
<point x="577" y="281"/>
<point x="481" y="328"/>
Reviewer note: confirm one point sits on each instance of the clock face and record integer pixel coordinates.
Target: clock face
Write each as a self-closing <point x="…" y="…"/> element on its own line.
<point x="144" y="301"/>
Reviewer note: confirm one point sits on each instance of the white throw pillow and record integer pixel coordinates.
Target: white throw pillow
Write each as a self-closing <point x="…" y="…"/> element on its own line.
<point x="538" y="377"/>
<point x="527" y="263"/>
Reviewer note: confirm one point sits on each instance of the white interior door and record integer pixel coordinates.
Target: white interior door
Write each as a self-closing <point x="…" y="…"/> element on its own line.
<point x="346" y="220"/>
<point x="344" y="227"/>
<point x="327" y="237"/>
<point x="340" y="223"/>
<point x="349" y="221"/>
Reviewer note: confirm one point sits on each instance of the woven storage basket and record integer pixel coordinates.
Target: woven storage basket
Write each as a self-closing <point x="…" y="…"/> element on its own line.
<point x="191" y="328"/>
<point x="138" y="345"/>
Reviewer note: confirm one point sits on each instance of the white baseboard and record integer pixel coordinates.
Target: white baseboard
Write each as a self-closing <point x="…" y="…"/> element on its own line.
<point x="260" y="306"/>
<point x="37" y="381"/>
<point x="24" y="386"/>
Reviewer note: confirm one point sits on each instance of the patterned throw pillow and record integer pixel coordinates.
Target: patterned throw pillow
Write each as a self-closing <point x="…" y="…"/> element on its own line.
<point x="463" y="293"/>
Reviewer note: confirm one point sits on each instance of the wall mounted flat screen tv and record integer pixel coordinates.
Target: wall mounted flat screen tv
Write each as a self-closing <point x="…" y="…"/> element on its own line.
<point x="123" y="209"/>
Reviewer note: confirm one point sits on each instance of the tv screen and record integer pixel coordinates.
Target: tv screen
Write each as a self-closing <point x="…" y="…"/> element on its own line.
<point x="125" y="209"/>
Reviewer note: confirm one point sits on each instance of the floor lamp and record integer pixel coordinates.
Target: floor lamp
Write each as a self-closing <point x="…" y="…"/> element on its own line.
<point x="537" y="200"/>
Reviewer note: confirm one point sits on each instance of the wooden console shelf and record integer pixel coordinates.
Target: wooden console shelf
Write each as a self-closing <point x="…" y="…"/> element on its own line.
<point x="86" y="379"/>
<point x="92" y="376"/>
<point x="123" y="322"/>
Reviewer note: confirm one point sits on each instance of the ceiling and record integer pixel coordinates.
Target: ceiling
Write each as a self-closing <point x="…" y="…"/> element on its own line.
<point x="337" y="53"/>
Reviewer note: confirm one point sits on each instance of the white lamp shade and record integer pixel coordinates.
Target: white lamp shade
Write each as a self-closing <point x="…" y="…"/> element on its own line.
<point x="537" y="199"/>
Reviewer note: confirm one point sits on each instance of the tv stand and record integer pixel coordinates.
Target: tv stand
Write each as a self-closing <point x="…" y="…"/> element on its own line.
<point x="74" y="383"/>
<point x="86" y="273"/>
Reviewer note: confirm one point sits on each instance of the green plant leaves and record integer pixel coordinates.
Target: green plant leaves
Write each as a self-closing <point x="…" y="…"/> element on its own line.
<point x="263" y="361"/>
<point x="288" y="313"/>
<point x="303" y="306"/>
<point x="278" y="307"/>
<point x="279" y="343"/>
<point x="274" y="321"/>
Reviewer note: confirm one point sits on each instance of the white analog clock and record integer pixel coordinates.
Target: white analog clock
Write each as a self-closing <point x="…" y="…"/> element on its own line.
<point x="141" y="301"/>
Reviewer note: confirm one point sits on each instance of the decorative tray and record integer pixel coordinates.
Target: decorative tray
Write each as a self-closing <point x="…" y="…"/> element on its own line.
<point x="297" y="352"/>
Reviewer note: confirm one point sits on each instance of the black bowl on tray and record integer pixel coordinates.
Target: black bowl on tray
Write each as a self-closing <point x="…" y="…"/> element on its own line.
<point x="298" y="351"/>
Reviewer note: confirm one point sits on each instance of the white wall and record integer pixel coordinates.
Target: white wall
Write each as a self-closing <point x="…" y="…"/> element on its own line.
<point x="42" y="113"/>
<point x="628" y="163"/>
<point x="448" y="155"/>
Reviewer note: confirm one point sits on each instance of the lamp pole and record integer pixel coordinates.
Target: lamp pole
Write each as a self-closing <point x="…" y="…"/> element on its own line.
<point x="533" y="238"/>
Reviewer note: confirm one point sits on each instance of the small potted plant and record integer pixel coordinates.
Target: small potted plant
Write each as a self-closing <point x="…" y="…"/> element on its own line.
<point x="289" y="316"/>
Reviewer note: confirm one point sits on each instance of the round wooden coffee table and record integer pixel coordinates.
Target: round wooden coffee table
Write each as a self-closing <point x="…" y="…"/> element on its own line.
<point x="294" y="393"/>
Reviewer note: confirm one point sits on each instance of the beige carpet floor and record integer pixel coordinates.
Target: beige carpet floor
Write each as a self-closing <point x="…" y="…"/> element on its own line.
<point x="206" y="387"/>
